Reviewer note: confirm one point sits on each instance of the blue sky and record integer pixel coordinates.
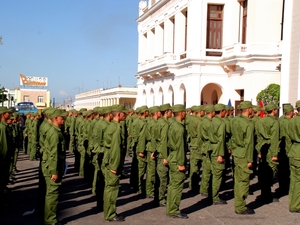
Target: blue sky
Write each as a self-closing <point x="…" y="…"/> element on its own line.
<point x="79" y="45"/>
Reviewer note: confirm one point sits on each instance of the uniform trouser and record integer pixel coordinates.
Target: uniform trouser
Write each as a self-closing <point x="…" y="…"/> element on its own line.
<point x="142" y="166"/>
<point x="266" y="175"/>
<point x="98" y="182"/>
<point x="51" y="200"/>
<point x="241" y="183"/>
<point x="82" y="153"/>
<point x="283" y="172"/>
<point x="163" y="177"/>
<point x="206" y="174"/>
<point x="71" y="143"/>
<point x="4" y="168"/>
<point x="294" y="193"/>
<point x="175" y="190"/>
<point x="96" y="171"/>
<point x="195" y="166"/>
<point x="150" y="175"/>
<point x="15" y="158"/>
<point x="212" y="169"/>
<point x="25" y="144"/>
<point x="32" y="151"/>
<point x="111" y="192"/>
<point x="134" y="174"/>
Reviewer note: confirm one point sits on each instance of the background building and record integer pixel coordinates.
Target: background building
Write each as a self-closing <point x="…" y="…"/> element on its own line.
<point x="107" y="97"/>
<point x="204" y="52"/>
<point x="290" y="80"/>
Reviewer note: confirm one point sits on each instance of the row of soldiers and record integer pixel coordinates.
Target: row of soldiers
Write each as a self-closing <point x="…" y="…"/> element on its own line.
<point x="10" y="134"/>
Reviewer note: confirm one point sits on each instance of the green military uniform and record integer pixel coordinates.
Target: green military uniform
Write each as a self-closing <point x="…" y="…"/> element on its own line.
<point x="34" y="138"/>
<point x="111" y="165"/>
<point x="53" y="163"/>
<point x="294" y="156"/>
<point x="242" y="141"/>
<point x="177" y="158"/>
<point x="284" y="146"/>
<point x="268" y="146"/>
<point x="161" y="130"/>
<point x="217" y="139"/>
<point x="151" y="151"/>
<point x="26" y="132"/>
<point x="204" y="130"/>
<point x="195" y="154"/>
<point x="141" y="136"/>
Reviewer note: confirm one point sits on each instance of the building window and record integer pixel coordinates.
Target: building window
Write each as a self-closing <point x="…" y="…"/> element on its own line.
<point x="26" y="98"/>
<point x="214" y="29"/>
<point x="244" y="29"/>
<point x="40" y="99"/>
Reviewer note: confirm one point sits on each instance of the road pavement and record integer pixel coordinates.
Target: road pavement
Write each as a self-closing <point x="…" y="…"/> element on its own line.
<point x="77" y="205"/>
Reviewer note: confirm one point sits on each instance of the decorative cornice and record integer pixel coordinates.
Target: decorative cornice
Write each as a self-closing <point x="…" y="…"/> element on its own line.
<point x="154" y="8"/>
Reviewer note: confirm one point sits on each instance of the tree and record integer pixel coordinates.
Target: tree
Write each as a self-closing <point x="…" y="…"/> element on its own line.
<point x="269" y="95"/>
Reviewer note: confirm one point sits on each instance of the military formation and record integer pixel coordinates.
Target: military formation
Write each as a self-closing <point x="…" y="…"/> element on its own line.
<point x="167" y="144"/>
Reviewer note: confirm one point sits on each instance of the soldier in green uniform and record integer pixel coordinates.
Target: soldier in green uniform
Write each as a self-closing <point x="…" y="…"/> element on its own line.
<point x="112" y="162"/>
<point x="204" y="130"/>
<point x="98" y="136"/>
<point x="294" y="156"/>
<point x="34" y="137"/>
<point x="268" y="132"/>
<point x="195" y="154"/>
<point x="285" y="145"/>
<point x="242" y="141"/>
<point x="17" y="136"/>
<point x="217" y="153"/>
<point x="6" y="150"/>
<point x="177" y="162"/>
<point x="128" y="121"/>
<point x="141" y="136"/>
<point x="162" y="169"/>
<point x="26" y="132"/>
<point x="151" y="151"/>
<point x="53" y="165"/>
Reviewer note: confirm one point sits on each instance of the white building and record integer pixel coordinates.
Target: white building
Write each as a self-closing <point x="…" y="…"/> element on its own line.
<point x="207" y="51"/>
<point x="106" y="97"/>
<point x="290" y="67"/>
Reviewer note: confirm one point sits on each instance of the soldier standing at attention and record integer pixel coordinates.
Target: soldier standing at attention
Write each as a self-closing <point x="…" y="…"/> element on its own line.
<point x="26" y="132"/>
<point x="205" y="148"/>
<point x="285" y="145"/>
<point x="177" y="162"/>
<point x="242" y="150"/>
<point x="162" y="168"/>
<point x="112" y="162"/>
<point x="294" y="156"/>
<point x="195" y="155"/>
<point x="151" y="151"/>
<point x="53" y="165"/>
<point x="268" y="131"/>
<point x="217" y="153"/>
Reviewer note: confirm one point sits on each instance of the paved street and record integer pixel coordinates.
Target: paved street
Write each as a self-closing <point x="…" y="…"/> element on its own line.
<point x="77" y="204"/>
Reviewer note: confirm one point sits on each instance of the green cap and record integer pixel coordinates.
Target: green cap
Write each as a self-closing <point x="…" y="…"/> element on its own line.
<point x="209" y="108"/>
<point x="57" y="112"/>
<point x="143" y="109"/>
<point x="89" y="112"/>
<point x="256" y="108"/>
<point x="288" y="108"/>
<point x="106" y="110"/>
<point x="82" y="109"/>
<point x="16" y="114"/>
<point x="270" y="107"/>
<point x="231" y="108"/>
<point x="193" y="108"/>
<point x="154" y="109"/>
<point x="118" y="108"/>
<point x="198" y="108"/>
<point x="137" y="110"/>
<point x="297" y="104"/>
<point x="165" y="107"/>
<point x="219" y="107"/>
<point x="246" y="105"/>
<point x="178" y="108"/>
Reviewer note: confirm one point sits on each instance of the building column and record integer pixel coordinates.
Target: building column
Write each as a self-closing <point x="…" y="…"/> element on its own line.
<point x="150" y="44"/>
<point x="142" y="47"/>
<point x="159" y="40"/>
<point x="168" y="35"/>
<point x="180" y="32"/>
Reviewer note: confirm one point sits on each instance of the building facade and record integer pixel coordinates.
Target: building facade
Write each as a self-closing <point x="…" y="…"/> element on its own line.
<point x="106" y="97"/>
<point x="203" y="52"/>
<point x="290" y="68"/>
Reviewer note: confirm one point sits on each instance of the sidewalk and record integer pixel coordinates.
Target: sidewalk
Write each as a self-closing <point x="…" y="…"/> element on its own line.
<point x="78" y="206"/>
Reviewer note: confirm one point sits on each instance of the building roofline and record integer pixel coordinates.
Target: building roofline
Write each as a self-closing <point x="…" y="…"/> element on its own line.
<point x="154" y="8"/>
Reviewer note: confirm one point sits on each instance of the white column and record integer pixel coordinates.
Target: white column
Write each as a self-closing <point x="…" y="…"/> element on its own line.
<point x="159" y="40"/>
<point x="150" y="44"/>
<point x="180" y="21"/>
<point x="142" y="47"/>
<point x="168" y="36"/>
